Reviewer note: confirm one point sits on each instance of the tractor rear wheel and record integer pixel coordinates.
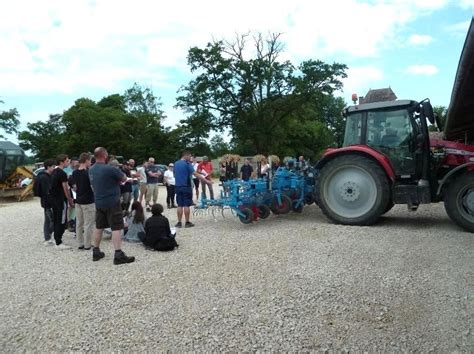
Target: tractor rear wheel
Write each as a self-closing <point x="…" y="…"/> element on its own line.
<point x="247" y="215"/>
<point x="459" y="201"/>
<point x="353" y="190"/>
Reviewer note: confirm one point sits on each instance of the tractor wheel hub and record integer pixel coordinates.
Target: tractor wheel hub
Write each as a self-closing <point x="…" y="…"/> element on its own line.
<point x="350" y="191"/>
<point x="469" y="201"/>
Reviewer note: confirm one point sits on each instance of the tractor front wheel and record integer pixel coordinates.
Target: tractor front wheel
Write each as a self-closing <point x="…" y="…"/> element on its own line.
<point x="353" y="190"/>
<point x="459" y="201"/>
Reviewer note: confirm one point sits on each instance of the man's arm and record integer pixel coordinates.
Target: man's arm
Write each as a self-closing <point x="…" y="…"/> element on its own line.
<point x="119" y="175"/>
<point x="67" y="194"/>
<point x="202" y="178"/>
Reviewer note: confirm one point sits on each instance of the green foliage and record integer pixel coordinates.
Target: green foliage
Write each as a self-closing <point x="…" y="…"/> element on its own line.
<point x="9" y="121"/>
<point x="268" y="105"/>
<point x="442" y="113"/>
<point x="44" y="139"/>
<point x="129" y="125"/>
<point x="219" y="147"/>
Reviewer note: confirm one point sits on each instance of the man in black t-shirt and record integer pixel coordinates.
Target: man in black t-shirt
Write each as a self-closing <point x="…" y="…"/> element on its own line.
<point x="246" y="170"/>
<point x="126" y="188"/>
<point x="60" y="198"/>
<point x="43" y="180"/>
<point x="85" y="206"/>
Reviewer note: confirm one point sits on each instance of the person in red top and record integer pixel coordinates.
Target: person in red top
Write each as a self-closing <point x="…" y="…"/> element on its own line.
<point x="205" y="168"/>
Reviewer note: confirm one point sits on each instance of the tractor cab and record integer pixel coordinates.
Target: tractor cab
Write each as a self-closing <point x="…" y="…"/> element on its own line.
<point x="396" y="129"/>
<point x="388" y="128"/>
<point x="11" y="156"/>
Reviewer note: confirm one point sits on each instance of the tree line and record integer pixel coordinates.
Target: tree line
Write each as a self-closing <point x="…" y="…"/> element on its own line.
<point x="243" y="88"/>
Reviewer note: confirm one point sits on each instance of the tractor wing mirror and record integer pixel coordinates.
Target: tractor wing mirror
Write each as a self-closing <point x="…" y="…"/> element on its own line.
<point x="427" y="111"/>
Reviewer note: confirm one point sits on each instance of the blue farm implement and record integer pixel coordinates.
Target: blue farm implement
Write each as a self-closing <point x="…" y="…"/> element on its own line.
<point x="255" y="199"/>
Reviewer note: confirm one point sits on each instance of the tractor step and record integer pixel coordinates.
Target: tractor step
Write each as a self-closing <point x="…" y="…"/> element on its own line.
<point x="411" y="194"/>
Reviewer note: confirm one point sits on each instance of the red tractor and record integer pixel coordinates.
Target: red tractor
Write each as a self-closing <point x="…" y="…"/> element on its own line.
<point x="388" y="157"/>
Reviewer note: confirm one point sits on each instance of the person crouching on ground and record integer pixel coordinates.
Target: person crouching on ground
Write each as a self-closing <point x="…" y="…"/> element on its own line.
<point x="105" y="182"/>
<point x="158" y="234"/>
<point x="136" y="223"/>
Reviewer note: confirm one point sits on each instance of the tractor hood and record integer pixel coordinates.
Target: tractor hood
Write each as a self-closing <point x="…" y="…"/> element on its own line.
<point x="460" y="119"/>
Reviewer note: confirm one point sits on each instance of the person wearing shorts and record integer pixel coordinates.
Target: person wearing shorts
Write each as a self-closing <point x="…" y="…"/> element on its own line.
<point x="105" y="182"/>
<point x="183" y="173"/>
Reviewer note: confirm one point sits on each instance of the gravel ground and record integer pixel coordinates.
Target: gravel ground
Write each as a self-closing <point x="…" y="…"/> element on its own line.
<point x="288" y="283"/>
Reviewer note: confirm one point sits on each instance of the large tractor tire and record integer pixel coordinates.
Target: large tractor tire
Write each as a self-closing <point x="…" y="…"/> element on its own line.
<point x="353" y="190"/>
<point x="459" y="201"/>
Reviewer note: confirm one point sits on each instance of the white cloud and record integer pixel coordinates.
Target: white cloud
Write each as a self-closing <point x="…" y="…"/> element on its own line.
<point x="459" y="28"/>
<point x="63" y="46"/>
<point x="426" y="69"/>
<point x="420" y="39"/>
<point x="466" y="4"/>
<point x="360" y="79"/>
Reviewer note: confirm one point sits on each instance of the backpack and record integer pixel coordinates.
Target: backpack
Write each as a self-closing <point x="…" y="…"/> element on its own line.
<point x="37" y="192"/>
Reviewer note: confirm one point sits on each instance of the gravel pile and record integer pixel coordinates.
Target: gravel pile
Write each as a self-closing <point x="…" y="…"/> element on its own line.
<point x="288" y="283"/>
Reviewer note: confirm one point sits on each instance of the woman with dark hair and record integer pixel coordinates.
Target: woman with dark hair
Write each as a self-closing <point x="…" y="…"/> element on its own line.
<point x="158" y="235"/>
<point x="136" y="223"/>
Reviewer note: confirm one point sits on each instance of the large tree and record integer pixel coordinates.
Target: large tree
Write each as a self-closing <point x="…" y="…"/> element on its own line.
<point x="265" y="102"/>
<point x="129" y="125"/>
<point x="44" y="139"/>
<point x="9" y="121"/>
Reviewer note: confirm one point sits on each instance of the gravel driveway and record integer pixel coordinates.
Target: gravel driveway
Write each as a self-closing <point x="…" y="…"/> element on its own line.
<point x="288" y="283"/>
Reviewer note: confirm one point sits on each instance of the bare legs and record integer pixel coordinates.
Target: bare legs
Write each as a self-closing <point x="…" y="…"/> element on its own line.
<point x="181" y="211"/>
<point x="116" y="238"/>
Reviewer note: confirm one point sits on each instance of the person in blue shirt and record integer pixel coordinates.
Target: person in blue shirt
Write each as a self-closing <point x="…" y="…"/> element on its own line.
<point x="183" y="173"/>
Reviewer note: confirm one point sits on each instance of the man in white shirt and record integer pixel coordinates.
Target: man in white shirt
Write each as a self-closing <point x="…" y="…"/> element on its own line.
<point x="169" y="180"/>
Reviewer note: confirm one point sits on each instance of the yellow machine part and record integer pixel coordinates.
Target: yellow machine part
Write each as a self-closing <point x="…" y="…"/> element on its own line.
<point x="9" y="187"/>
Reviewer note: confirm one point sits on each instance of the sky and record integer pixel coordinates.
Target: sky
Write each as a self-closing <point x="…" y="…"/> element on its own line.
<point x="53" y="52"/>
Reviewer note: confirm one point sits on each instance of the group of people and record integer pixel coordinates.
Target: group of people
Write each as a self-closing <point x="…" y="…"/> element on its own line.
<point x="101" y="193"/>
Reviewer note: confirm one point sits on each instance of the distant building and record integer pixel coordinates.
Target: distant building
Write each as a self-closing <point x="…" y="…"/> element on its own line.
<point x="378" y="95"/>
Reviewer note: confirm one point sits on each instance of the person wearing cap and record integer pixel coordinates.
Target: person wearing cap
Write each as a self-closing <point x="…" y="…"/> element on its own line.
<point x="205" y="169"/>
<point x="170" y="183"/>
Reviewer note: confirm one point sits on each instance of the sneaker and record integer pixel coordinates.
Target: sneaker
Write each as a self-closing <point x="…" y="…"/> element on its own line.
<point x="97" y="255"/>
<point x="178" y="224"/>
<point x="48" y="243"/>
<point x="122" y="258"/>
<point x="62" y="246"/>
<point x="80" y="247"/>
<point x="188" y="224"/>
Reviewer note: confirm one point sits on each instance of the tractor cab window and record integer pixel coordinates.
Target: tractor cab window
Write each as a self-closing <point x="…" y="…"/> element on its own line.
<point x="353" y="131"/>
<point x="390" y="132"/>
